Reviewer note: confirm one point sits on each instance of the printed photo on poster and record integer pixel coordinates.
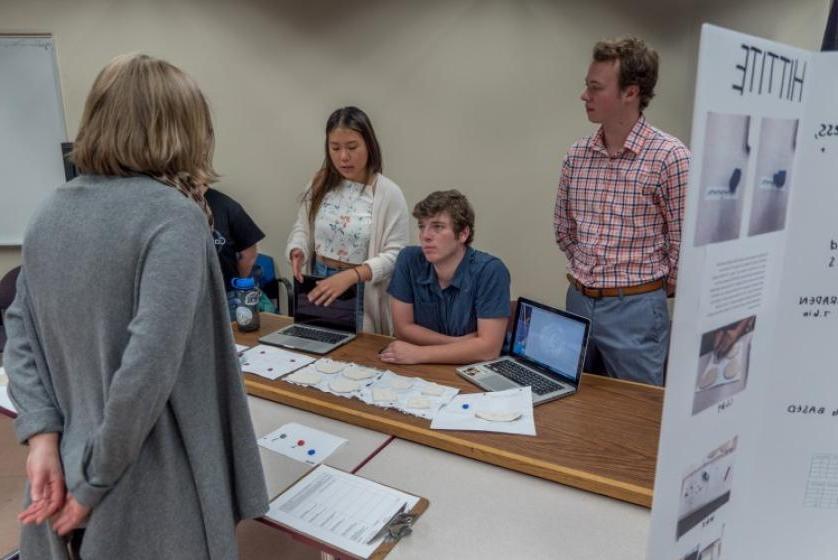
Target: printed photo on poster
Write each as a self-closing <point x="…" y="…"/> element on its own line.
<point x="712" y="551"/>
<point x="723" y="362"/>
<point x="777" y="145"/>
<point x="727" y="150"/>
<point x="706" y="488"/>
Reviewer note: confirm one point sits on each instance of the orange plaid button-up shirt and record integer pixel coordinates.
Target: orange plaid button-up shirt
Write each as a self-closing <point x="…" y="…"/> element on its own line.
<point x="618" y="218"/>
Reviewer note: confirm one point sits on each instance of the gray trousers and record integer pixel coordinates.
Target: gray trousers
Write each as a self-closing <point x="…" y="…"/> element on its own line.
<point x="630" y="334"/>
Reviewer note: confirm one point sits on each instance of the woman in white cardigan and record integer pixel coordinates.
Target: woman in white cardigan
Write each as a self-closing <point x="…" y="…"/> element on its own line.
<point x="352" y="222"/>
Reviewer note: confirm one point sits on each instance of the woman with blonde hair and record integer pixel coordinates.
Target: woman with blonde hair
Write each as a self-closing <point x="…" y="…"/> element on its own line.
<point x="352" y="223"/>
<point x="123" y="368"/>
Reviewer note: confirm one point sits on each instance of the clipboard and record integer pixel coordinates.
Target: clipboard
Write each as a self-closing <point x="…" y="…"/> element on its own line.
<point x="378" y="553"/>
<point x="385" y="547"/>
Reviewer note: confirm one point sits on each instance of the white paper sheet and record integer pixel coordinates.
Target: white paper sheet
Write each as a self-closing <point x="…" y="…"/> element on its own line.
<point x="301" y="443"/>
<point x="340" y="509"/>
<point x="327" y="379"/>
<point x="272" y="362"/>
<point x="461" y="413"/>
<point x="5" y="401"/>
<point x="419" y="390"/>
<point x="405" y="389"/>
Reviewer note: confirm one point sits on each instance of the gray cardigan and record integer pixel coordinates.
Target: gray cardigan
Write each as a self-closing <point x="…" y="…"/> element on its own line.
<point x="119" y="339"/>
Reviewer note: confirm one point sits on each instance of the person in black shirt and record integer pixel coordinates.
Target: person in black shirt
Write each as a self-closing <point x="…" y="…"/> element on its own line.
<point x="236" y="236"/>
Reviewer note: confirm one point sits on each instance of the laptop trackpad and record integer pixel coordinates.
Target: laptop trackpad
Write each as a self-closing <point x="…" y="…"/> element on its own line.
<point x="498" y="383"/>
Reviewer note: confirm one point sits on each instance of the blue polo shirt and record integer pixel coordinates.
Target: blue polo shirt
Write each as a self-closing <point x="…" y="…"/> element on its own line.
<point x="479" y="290"/>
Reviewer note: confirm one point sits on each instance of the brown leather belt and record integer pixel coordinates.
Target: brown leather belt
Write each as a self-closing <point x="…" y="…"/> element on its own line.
<point x="617" y="292"/>
<point x="337" y="265"/>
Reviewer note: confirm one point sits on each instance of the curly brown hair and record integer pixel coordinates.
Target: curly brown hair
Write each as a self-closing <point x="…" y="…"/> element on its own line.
<point x="638" y="64"/>
<point x="452" y="202"/>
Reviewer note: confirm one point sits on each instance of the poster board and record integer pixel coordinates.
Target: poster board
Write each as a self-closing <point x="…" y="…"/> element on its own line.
<point x="748" y="457"/>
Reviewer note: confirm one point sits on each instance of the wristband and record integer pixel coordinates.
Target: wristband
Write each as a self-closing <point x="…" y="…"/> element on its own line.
<point x="358" y="274"/>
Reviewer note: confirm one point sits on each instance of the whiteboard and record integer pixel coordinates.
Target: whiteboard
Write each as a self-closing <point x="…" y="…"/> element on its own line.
<point x="32" y="128"/>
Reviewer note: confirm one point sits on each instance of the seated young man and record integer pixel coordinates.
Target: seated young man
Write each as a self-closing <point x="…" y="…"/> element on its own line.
<point x="450" y="302"/>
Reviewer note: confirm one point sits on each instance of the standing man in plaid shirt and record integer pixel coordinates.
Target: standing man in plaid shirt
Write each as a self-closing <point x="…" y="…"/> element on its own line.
<point x="618" y="215"/>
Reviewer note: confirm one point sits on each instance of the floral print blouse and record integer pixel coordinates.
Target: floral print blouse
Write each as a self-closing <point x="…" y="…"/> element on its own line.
<point x="343" y="224"/>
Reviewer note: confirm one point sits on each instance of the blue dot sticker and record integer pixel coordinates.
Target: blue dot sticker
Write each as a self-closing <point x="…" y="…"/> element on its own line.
<point x="311" y="451"/>
<point x="466" y="406"/>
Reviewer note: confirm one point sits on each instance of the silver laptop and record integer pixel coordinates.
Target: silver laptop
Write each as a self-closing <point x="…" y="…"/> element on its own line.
<point x="547" y="354"/>
<point x="317" y="329"/>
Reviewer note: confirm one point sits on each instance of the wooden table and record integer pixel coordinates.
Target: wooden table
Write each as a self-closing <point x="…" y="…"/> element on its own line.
<point x="604" y="439"/>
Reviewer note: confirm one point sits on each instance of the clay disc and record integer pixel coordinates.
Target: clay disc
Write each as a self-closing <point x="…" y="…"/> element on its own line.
<point x="732" y="369"/>
<point x="497" y="416"/>
<point x="708" y="377"/>
<point x="383" y="394"/>
<point x="305" y="376"/>
<point x="329" y="366"/>
<point x="342" y="385"/>
<point x="418" y="402"/>
<point x="401" y="383"/>
<point x="358" y="373"/>
<point x="433" y="390"/>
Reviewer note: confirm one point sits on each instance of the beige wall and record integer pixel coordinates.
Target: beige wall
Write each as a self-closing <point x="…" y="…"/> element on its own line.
<point x="478" y="95"/>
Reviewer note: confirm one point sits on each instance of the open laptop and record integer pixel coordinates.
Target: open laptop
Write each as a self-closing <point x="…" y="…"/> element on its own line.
<point x="547" y="353"/>
<point x="318" y="329"/>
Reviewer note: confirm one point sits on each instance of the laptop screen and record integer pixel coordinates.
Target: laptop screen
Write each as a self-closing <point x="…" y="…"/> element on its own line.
<point x="553" y="339"/>
<point x="339" y="315"/>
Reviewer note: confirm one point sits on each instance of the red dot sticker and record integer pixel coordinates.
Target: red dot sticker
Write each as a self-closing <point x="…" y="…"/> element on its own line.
<point x="301" y="442"/>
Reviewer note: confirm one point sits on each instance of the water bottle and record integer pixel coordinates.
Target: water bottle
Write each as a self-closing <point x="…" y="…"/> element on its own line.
<point x="247" y="305"/>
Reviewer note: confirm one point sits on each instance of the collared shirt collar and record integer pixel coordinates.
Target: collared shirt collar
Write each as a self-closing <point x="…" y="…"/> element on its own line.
<point x="428" y="274"/>
<point x="634" y="141"/>
<point x="460" y="274"/>
<point x="430" y="277"/>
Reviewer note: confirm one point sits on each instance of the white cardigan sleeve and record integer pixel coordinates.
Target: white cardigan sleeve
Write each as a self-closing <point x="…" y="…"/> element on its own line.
<point x="301" y="237"/>
<point x="391" y="233"/>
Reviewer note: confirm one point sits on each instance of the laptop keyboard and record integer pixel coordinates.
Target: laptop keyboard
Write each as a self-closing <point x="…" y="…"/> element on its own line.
<point x="524" y="376"/>
<point x="314" y="334"/>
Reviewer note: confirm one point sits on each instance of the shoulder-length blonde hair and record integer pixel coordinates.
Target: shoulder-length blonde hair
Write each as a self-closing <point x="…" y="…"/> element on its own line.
<point x="145" y="116"/>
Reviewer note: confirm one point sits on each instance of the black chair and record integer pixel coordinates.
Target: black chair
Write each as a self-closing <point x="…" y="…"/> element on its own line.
<point x="8" y="289"/>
